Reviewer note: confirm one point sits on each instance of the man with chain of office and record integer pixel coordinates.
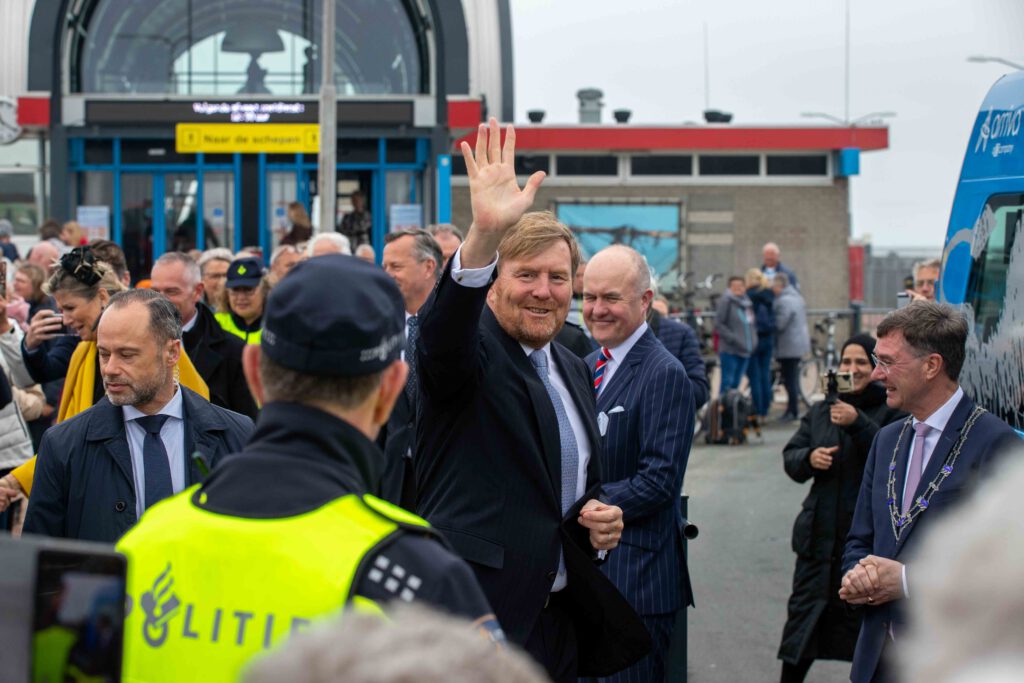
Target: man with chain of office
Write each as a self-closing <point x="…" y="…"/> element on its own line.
<point x="917" y="470"/>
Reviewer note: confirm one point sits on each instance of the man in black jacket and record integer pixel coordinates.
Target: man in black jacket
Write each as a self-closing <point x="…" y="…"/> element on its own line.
<point x="98" y="471"/>
<point x="216" y="354"/>
<point x="507" y="445"/>
<point x="413" y="260"/>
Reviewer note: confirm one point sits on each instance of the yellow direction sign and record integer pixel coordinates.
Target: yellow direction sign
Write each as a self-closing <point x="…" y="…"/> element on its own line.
<point x="247" y="138"/>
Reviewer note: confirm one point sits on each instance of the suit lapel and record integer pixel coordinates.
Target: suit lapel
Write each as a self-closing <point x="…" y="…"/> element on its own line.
<point x="945" y="443"/>
<point x="107" y="426"/>
<point x="540" y="401"/>
<point x="623" y="375"/>
<point x="200" y="429"/>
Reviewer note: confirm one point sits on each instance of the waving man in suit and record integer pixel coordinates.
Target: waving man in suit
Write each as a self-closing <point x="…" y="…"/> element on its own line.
<point x="645" y="404"/>
<point x="507" y="450"/>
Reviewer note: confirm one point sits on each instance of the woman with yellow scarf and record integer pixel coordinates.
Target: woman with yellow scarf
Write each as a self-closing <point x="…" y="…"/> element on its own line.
<point x="82" y="286"/>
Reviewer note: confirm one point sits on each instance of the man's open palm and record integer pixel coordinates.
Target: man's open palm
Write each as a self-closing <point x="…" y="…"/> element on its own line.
<point x="497" y="201"/>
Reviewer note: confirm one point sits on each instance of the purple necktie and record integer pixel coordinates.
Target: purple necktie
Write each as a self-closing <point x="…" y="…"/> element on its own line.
<point x="916" y="466"/>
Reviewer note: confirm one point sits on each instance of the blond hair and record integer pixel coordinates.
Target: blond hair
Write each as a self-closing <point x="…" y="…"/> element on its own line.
<point x="755" y="278"/>
<point x="534" y="233"/>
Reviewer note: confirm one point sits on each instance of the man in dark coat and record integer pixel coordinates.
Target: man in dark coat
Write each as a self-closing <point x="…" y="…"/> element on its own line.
<point x="681" y="341"/>
<point x="507" y="446"/>
<point x="918" y="470"/>
<point x="98" y="471"/>
<point x="216" y="354"/>
<point x="413" y="260"/>
<point x="830" y="447"/>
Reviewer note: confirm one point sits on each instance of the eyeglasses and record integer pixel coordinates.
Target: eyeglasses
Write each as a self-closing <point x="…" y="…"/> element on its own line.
<point x="889" y="365"/>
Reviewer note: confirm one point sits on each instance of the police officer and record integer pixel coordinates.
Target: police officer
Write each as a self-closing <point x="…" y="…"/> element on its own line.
<point x="284" y="532"/>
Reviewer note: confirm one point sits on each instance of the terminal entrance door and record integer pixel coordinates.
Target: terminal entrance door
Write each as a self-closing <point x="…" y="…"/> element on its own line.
<point x="163" y="212"/>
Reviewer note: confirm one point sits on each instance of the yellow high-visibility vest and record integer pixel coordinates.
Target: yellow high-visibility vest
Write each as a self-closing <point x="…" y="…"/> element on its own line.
<point x="228" y="323"/>
<point x="209" y="592"/>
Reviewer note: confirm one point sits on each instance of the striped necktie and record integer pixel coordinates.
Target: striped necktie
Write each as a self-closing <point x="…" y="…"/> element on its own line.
<point x="602" y="361"/>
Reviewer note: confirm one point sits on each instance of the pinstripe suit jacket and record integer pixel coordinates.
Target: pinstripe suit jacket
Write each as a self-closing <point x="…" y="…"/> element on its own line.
<point x="646" y="447"/>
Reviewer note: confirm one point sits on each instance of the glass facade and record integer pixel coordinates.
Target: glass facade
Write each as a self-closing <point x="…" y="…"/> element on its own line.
<point x="160" y="202"/>
<point x="23" y="184"/>
<point x="250" y="47"/>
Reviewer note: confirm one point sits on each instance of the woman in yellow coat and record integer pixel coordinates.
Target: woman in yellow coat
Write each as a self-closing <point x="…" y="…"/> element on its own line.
<point x="82" y="286"/>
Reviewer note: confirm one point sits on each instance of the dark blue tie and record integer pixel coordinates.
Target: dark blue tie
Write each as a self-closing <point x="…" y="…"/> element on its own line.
<point x="410" y="354"/>
<point x="156" y="466"/>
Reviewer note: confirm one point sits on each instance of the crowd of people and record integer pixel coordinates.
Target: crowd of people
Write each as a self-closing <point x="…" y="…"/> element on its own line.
<point x="485" y="424"/>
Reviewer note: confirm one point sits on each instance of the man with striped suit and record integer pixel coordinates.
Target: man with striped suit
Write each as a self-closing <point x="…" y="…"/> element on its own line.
<point x="645" y="418"/>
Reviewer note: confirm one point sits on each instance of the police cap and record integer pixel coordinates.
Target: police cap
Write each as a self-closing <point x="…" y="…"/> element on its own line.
<point x="244" y="272"/>
<point x="334" y="315"/>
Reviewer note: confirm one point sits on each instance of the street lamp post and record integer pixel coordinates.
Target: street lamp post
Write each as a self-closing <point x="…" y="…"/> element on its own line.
<point x="980" y="59"/>
<point x="327" y="170"/>
<point x="846" y="122"/>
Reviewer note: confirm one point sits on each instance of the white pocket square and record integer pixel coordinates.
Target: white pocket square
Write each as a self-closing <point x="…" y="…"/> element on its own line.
<point x="602" y="419"/>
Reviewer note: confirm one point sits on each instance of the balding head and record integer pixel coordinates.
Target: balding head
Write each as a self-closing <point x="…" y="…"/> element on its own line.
<point x="630" y="262"/>
<point x="616" y="294"/>
<point x="770" y="253"/>
<point x="44" y="255"/>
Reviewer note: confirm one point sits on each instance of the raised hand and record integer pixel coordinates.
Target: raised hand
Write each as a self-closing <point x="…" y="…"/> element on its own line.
<point x="498" y="202"/>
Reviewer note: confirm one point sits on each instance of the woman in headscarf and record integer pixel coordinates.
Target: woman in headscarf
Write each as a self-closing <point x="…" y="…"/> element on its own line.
<point x="830" y="447"/>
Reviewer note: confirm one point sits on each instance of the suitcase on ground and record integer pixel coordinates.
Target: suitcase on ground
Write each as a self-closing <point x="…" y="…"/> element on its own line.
<point x="728" y="418"/>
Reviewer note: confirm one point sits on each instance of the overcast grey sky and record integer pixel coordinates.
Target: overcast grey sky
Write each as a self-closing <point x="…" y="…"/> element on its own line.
<point x="770" y="61"/>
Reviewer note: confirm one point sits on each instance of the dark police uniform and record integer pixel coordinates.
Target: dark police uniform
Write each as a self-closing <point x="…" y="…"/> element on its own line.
<point x="285" y="532"/>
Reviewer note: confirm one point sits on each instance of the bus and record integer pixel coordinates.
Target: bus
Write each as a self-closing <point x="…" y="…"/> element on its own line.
<point x="983" y="258"/>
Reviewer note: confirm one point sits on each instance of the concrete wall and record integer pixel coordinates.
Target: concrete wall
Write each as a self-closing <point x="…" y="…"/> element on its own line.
<point x="726" y="226"/>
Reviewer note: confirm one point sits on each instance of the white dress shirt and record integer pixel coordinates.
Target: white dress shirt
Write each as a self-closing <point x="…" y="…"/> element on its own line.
<point x="480" y="277"/>
<point x="173" y="436"/>
<point x="937" y="421"/>
<point x="619" y="354"/>
<point x="407" y="316"/>
<point x="187" y="327"/>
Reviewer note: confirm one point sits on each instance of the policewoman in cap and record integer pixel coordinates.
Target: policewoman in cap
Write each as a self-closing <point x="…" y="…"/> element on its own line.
<point x="285" y="532"/>
<point x="244" y="298"/>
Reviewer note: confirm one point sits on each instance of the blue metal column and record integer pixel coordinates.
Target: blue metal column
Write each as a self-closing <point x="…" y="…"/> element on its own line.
<point x="159" y="216"/>
<point x="200" y="209"/>
<point x="444" y="188"/>
<point x="116" y="200"/>
<point x="380" y="194"/>
<point x="262" y="212"/>
<point x="238" y="202"/>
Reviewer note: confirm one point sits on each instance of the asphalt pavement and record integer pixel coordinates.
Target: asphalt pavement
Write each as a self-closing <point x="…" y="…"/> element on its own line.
<point x="741" y="564"/>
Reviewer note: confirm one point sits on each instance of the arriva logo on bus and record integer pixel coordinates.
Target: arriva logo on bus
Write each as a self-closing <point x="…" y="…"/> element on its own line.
<point x="996" y="126"/>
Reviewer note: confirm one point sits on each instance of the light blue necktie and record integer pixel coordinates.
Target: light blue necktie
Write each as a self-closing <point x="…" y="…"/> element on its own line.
<point x="570" y="450"/>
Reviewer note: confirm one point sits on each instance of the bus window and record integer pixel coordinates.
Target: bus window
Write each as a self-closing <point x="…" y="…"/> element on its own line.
<point x="986" y="289"/>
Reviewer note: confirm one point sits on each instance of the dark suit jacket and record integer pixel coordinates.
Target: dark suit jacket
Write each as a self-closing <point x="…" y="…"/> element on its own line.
<point x="217" y="356"/>
<point x="397" y="439"/>
<point x="871" y="532"/>
<point x="488" y="461"/>
<point x="646" y="447"/>
<point x="681" y="341"/>
<point x="84" y="486"/>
